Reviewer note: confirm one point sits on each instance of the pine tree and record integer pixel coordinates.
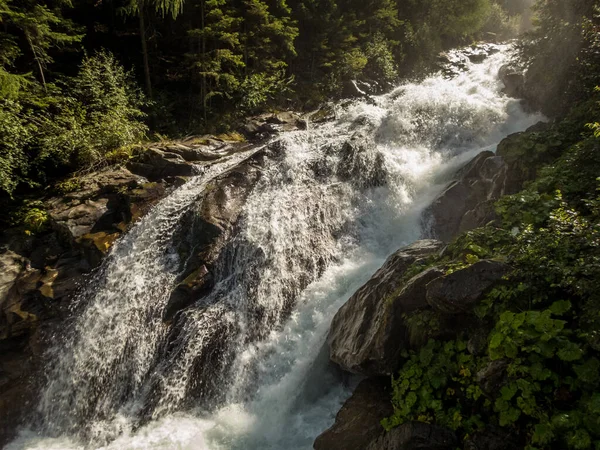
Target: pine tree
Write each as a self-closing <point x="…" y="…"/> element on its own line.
<point x="217" y="59"/>
<point x="42" y="27"/>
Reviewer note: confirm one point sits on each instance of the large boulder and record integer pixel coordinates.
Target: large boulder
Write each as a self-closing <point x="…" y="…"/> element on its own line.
<point x="416" y="436"/>
<point x="367" y="332"/>
<point x="358" y="423"/>
<point x="459" y="291"/>
<point x="155" y="164"/>
<point x="467" y="202"/>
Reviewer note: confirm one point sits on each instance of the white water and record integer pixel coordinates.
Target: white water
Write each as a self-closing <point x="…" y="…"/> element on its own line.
<point x="320" y="221"/>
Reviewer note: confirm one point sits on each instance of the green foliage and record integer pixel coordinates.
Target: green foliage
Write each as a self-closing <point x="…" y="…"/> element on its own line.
<point x="31" y="217"/>
<point x="71" y="127"/>
<point x="14" y="136"/>
<point x="436" y="384"/>
<point x="500" y="24"/>
<point x="66" y="186"/>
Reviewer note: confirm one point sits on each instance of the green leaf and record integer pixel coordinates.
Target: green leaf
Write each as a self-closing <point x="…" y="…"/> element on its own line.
<point x="496" y="340"/>
<point x="560" y="307"/>
<point x="508" y="392"/>
<point x="542" y="434"/>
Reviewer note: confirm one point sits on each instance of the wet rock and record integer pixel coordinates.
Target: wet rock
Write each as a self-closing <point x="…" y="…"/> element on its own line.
<point x="92" y="218"/>
<point x="261" y="126"/>
<point x="366" y="333"/>
<point x="416" y="436"/>
<point x="514" y="81"/>
<point x="155" y="164"/>
<point x="492" y="377"/>
<point x="324" y="114"/>
<point x="467" y="202"/>
<point x="361" y="164"/>
<point x="196" y="285"/>
<point x="460" y="291"/>
<point x="357" y="424"/>
<point x="205" y="229"/>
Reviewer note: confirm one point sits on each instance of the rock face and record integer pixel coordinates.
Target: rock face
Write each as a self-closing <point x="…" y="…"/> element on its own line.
<point x="357" y="424"/>
<point x="363" y="338"/>
<point x="468" y="201"/>
<point x="416" y="436"/>
<point x="206" y="229"/>
<point x="459" y="291"/>
<point x="91" y="218"/>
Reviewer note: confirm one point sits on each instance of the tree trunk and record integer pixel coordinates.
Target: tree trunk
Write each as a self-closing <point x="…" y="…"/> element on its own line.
<point x="37" y="60"/>
<point x="203" y="92"/>
<point x="145" y="50"/>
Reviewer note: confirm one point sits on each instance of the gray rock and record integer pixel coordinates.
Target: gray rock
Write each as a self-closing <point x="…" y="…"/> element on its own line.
<point x="367" y="332"/>
<point x="416" y="436"/>
<point x="460" y="291"/>
<point x="467" y="202"/>
<point x="357" y="424"/>
<point x="513" y="79"/>
<point x="491" y="378"/>
<point x="156" y="164"/>
<point x="205" y="229"/>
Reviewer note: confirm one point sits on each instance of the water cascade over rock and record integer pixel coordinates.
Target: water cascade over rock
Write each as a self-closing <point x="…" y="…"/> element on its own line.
<point x="205" y="326"/>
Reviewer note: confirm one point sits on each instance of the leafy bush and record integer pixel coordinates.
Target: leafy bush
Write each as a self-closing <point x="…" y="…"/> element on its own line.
<point x="15" y="134"/>
<point x="69" y="127"/>
<point x="31" y="217"/>
<point x="102" y="112"/>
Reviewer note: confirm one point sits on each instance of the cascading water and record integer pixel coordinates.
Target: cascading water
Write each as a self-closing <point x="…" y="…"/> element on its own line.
<point x="329" y="207"/>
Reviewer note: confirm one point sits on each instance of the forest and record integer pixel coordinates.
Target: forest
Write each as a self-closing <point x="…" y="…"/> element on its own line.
<point x="81" y="80"/>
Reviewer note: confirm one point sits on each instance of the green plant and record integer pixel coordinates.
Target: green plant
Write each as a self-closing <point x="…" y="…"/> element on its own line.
<point x="31" y="217"/>
<point x="69" y="185"/>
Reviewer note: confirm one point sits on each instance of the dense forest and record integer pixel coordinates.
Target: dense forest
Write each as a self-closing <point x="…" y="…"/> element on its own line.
<point x="71" y="71"/>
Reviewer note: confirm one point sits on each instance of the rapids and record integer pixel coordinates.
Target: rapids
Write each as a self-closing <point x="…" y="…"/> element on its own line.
<point x="326" y="212"/>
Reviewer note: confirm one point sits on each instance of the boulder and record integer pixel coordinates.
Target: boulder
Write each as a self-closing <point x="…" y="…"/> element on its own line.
<point x="91" y="218"/>
<point x="416" y="436"/>
<point x="492" y="377"/>
<point x="358" y="423"/>
<point x="467" y="202"/>
<point x="325" y="113"/>
<point x="460" y="291"/>
<point x="361" y="164"/>
<point x="155" y="164"/>
<point x="367" y="332"/>
<point x="261" y="126"/>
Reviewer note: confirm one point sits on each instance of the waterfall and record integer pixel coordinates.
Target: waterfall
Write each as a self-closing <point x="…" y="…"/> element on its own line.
<point x="332" y="202"/>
